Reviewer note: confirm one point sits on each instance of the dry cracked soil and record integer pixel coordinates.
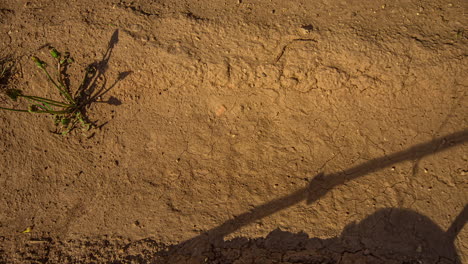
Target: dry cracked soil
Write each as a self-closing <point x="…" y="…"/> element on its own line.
<point x="240" y="131"/>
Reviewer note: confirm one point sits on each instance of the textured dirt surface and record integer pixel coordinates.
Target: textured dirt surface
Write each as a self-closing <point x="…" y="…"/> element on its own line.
<point x="241" y="132"/>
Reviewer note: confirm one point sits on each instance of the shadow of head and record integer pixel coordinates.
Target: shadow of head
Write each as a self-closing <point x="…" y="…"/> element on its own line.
<point x="387" y="236"/>
<point x="399" y="233"/>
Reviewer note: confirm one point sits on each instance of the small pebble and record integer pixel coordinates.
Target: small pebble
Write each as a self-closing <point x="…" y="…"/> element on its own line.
<point x="136" y="28"/>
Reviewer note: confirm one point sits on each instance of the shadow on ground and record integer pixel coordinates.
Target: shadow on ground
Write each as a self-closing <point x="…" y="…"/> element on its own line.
<point x="94" y="85"/>
<point x="389" y="234"/>
<point x="100" y="70"/>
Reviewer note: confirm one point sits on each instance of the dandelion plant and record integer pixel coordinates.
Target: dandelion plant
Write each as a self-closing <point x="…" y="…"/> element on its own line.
<point x="68" y="112"/>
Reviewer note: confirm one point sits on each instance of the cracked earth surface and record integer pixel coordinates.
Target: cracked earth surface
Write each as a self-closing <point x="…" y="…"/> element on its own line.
<point x="243" y="132"/>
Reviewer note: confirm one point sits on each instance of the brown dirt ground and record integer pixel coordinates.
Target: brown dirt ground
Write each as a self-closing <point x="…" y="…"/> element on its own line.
<point x="241" y="132"/>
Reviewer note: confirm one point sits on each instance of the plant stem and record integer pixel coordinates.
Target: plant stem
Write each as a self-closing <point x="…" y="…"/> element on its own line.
<point x="50" y="112"/>
<point x="82" y="85"/>
<point x="39" y="112"/>
<point x="60" y="79"/>
<point x="46" y="100"/>
<point x="15" y="110"/>
<point x="39" y="105"/>
<point x="63" y="92"/>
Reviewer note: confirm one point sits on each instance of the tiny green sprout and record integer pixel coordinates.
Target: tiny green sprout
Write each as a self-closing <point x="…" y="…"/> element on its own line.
<point x="38" y="62"/>
<point x="66" y="58"/>
<point x="54" y="53"/>
<point x="14" y="93"/>
<point x="65" y="121"/>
